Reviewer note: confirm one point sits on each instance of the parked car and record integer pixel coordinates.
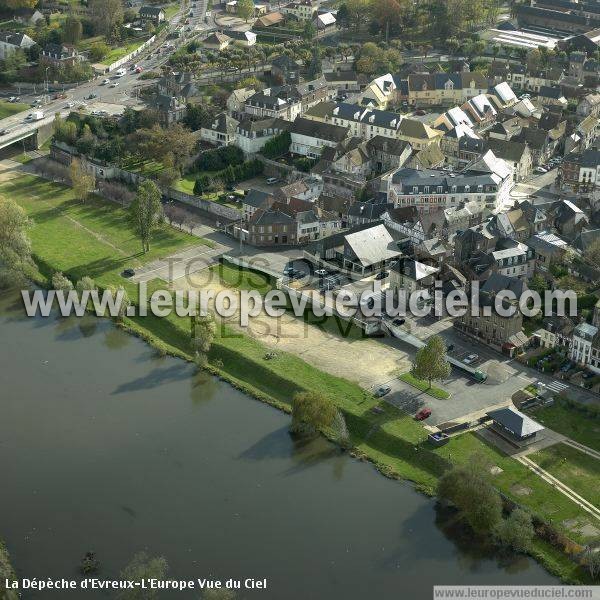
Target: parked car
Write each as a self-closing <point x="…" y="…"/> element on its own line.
<point x="138" y="69"/>
<point x="382" y="390"/>
<point x="69" y="104"/>
<point x="382" y="275"/>
<point x="470" y="359"/>
<point x="588" y="375"/>
<point x="92" y="96"/>
<point x="271" y="180"/>
<point x="540" y="170"/>
<point x="398" y="322"/>
<point x="321" y="272"/>
<point x="127" y="273"/>
<point x="114" y="84"/>
<point x="566" y="367"/>
<point x="106" y="82"/>
<point x="4" y="131"/>
<point x="423" y="414"/>
<point x="450" y="347"/>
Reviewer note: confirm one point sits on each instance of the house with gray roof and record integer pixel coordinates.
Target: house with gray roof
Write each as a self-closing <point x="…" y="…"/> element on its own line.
<point x="11" y="41"/>
<point x="514" y="426"/>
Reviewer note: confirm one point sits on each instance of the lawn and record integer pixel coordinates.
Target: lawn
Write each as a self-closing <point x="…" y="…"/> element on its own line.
<point x="171" y="11"/>
<point x="518" y="482"/>
<point x="92" y="239"/>
<point x="569" y="422"/>
<point x="143" y="167"/>
<point x="11" y="108"/>
<point x="576" y="469"/>
<point x="120" y="51"/>
<point x="424" y="386"/>
<point x="243" y="279"/>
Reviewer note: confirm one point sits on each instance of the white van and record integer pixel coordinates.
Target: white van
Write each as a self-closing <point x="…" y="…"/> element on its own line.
<point x="121" y="73"/>
<point x="271" y="180"/>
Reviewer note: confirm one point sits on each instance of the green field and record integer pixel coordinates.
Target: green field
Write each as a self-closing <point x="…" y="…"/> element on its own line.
<point x="571" y="423"/>
<point x="424" y="386"/>
<point x="11" y="108"/>
<point x="94" y="239"/>
<point x="98" y="230"/>
<point x="121" y="51"/>
<point x="580" y="471"/>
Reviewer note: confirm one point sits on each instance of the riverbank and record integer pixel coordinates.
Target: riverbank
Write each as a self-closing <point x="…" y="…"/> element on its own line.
<point x="6" y="573"/>
<point x="380" y="433"/>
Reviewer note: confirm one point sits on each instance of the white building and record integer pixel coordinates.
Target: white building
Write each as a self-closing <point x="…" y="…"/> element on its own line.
<point x="581" y="348"/>
<point x="11" y="42"/>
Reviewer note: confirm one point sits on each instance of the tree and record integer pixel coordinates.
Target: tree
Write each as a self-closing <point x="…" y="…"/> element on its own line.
<point x="15" y="248"/>
<point x="202" y="334"/>
<point x="107" y="17"/>
<point x="516" y="531"/>
<point x="61" y="283"/>
<point x="143" y="567"/>
<point x="309" y="31"/>
<point x="591" y="559"/>
<point x="82" y="182"/>
<point x="592" y="253"/>
<point x="467" y="486"/>
<point x="145" y="212"/>
<point x="430" y="361"/>
<point x="98" y="51"/>
<point x="198" y="187"/>
<point x="245" y="9"/>
<point x="311" y="411"/>
<point x="72" y="30"/>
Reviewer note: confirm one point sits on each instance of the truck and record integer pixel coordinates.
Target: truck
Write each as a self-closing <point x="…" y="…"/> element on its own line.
<point x="36" y="115"/>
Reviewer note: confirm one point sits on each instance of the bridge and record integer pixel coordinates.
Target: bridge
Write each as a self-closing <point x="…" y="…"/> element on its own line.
<point x="19" y="130"/>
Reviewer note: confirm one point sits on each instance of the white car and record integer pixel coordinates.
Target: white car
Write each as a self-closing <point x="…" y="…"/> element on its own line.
<point x="540" y="170"/>
<point x="114" y="84"/>
<point x="106" y="82"/>
<point x="70" y="105"/>
<point x="470" y="359"/>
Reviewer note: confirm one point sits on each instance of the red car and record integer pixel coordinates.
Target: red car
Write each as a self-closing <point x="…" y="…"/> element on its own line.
<point x="138" y="69"/>
<point x="423" y="414"/>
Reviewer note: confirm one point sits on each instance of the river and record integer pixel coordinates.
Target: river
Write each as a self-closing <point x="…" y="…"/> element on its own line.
<point x="106" y="446"/>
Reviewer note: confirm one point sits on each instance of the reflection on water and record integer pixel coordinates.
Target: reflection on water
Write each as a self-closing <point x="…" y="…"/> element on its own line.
<point x="107" y="447"/>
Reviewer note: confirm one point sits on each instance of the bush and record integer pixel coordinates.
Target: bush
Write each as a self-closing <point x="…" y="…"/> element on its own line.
<point x="220" y="159"/>
<point x="60" y="282"/>
<point x="516" y="531"/>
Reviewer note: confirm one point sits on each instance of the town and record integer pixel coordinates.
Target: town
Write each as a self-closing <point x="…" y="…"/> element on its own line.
<point x="330" y="147"/>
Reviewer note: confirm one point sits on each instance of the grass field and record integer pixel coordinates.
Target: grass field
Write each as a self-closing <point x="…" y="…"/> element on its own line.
<point x="576" y="469"/>
<point x="571" y="423"/>
<point x="11" y="108"/>
<point x="120" y="51"/>
<point x="98" y="230"/>
<point x="424" y="386"/>
<point x="94" y="239"/>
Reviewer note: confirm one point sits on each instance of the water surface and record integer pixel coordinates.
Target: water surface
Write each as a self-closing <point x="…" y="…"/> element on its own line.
<point x="104" y="446"/>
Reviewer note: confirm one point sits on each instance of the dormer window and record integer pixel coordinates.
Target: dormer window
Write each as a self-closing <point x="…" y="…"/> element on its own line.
<point x="467" y="189"/>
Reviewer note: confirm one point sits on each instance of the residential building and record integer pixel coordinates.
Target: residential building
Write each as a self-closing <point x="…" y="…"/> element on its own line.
<point x="310" y="137"/>
<point x="548" y="249"/>
<point x="589" y="105"/>
<point x="581" y="346"/>
<point x="302" y="10"/>
<point x="487" y="182"/>
<point x="237" y="100"/>
<point x="10" y="42"/>
<point x="59" y="55"/>
<point x="283" y="102"/>
<point x="285" y="69"/>
<point x="222" y="131"/>
<point x="514" y="426"/>
<point x="244" y="39"/>
<point x="251" y="135"/>
<point x="411" y="275"/>
<point x="567" y="218"/>
<point x="516" y="154"/>
<point x="500" y="332"/>
<point x="581" y="172"/>
<point x="217" y="41"/>
<point x="154" y="14"/>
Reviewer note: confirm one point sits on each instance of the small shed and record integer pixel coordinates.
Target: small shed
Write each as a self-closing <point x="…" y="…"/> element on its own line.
<point x="514" y="426"/>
